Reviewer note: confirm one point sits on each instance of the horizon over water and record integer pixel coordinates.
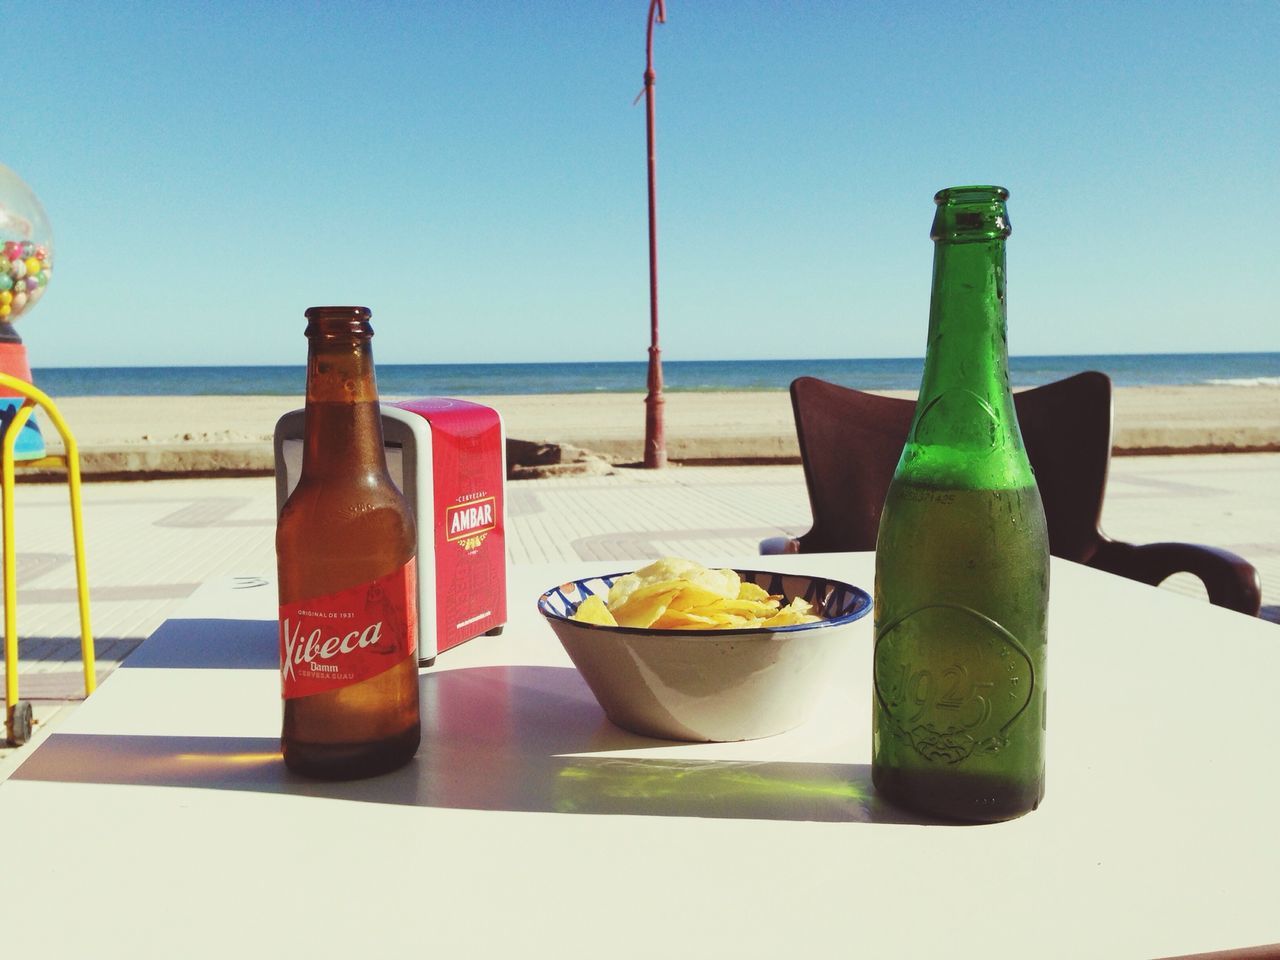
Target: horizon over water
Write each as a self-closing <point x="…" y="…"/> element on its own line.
<point x="624" y="376"/>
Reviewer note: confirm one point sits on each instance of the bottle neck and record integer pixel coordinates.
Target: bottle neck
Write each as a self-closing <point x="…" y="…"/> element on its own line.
<point x="965" y="430"/>
<point x="343" y="434"/>
<point x="968" y="324"/>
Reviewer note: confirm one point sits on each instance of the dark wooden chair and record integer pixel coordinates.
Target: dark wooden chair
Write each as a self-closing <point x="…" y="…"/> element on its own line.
<point x="850" y="442"/>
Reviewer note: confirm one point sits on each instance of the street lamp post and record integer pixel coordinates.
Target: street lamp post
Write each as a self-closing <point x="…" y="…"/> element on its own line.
<point x="655" y="440"/>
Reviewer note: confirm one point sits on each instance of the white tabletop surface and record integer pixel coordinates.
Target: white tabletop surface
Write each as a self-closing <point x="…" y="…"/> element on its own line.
<point x="159" y="821"/>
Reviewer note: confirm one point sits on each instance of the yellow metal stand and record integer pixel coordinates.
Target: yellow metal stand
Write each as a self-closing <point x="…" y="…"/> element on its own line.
<point x="17" y="722"/>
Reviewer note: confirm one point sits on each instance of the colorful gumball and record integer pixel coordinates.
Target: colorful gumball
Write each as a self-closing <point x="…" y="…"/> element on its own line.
<point x="26" y="250"/>
<point x="26" y="254"/>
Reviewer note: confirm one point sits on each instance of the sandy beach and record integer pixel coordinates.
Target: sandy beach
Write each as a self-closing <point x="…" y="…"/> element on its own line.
<point x="227" y="434"/>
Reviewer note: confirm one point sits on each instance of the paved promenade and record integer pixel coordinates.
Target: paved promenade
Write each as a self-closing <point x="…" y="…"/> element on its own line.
<point x="150" y="544"/>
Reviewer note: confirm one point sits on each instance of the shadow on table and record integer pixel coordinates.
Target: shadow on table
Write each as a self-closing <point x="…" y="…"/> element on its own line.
<point x="520" y="738"/>
<point x="209" y="644"/>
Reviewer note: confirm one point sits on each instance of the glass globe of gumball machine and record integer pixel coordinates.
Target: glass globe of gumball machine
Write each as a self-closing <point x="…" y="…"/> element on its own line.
<point x="26" y="263"/>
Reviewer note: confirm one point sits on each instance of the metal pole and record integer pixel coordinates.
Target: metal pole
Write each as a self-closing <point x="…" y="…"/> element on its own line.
<point x="655" y="440"/>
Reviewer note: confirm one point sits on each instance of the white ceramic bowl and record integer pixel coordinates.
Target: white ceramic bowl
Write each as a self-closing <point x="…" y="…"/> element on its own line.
<point x="709" y="685"/>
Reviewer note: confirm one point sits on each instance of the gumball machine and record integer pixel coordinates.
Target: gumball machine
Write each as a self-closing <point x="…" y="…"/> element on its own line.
<point x="26" y="263"/>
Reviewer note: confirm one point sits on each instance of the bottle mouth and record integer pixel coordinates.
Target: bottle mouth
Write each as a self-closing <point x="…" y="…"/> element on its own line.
<point x="338" y="313"/>
<point x="330" y="321"/>
<point x="976" y="193"/>
<point x="971" y="214"/>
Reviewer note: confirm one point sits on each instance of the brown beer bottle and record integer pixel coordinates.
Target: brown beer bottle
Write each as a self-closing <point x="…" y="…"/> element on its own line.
<point x="346" y="552"/>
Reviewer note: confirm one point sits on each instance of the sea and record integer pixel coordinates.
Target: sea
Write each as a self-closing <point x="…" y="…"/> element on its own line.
<point x="679" y="376"/>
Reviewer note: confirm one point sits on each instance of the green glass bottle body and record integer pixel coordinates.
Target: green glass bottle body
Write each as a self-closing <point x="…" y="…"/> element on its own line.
<point x="962" y="556"/>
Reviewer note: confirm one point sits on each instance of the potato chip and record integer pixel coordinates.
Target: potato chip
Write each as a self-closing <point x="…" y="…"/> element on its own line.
<point x="797" y="611"/>
<point x="736" y="621"/>
<point x="593" y="610"/>
<point x="677" y="594"/>
<point x="622" y="589"/>
<point x="668" y="568"/>
<point x="784" y="618"/>
<point x="642" y="611"/>
<point x="748" y="608"/>
<point x="724" y="582"/>
<point x="802" y="606"/>
<point x="679" y="620"/>
<point x="653" y="589"/>
<point x="640" y="603"/>
<point x="697" y="578"/>
<point x="695" y="595"/>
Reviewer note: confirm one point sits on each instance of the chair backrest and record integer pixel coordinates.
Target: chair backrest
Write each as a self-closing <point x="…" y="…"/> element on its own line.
<point x="850" y="443"/>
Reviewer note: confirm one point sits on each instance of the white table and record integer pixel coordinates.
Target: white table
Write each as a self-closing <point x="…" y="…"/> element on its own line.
<point x="159" y="820"/>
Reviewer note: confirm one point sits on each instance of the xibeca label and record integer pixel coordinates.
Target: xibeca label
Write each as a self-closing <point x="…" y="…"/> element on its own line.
<point x="348" y="637"/>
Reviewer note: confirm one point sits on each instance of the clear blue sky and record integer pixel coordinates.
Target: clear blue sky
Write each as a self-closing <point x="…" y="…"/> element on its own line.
<point x="475" y="173"/>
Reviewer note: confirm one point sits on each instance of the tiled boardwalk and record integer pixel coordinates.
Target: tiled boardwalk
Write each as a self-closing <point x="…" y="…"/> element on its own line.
<point x="150" y="544"/>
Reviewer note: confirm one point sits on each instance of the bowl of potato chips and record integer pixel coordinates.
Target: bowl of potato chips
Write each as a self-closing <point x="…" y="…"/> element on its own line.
<point x="683" y="652"/>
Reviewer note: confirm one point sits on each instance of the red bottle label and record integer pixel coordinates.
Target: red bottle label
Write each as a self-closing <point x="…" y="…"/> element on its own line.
<point x="333" y="641"/>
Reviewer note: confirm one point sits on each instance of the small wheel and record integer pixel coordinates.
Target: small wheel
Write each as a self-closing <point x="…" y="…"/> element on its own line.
<point x="496" y="631"/>
<point x="18" y="726"/>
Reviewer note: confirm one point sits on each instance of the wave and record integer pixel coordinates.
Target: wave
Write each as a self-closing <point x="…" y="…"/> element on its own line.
<point x="1245" y="382"/>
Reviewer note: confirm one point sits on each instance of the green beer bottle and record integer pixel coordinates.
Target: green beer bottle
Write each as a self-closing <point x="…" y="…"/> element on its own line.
<point x="962" y="557"/>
